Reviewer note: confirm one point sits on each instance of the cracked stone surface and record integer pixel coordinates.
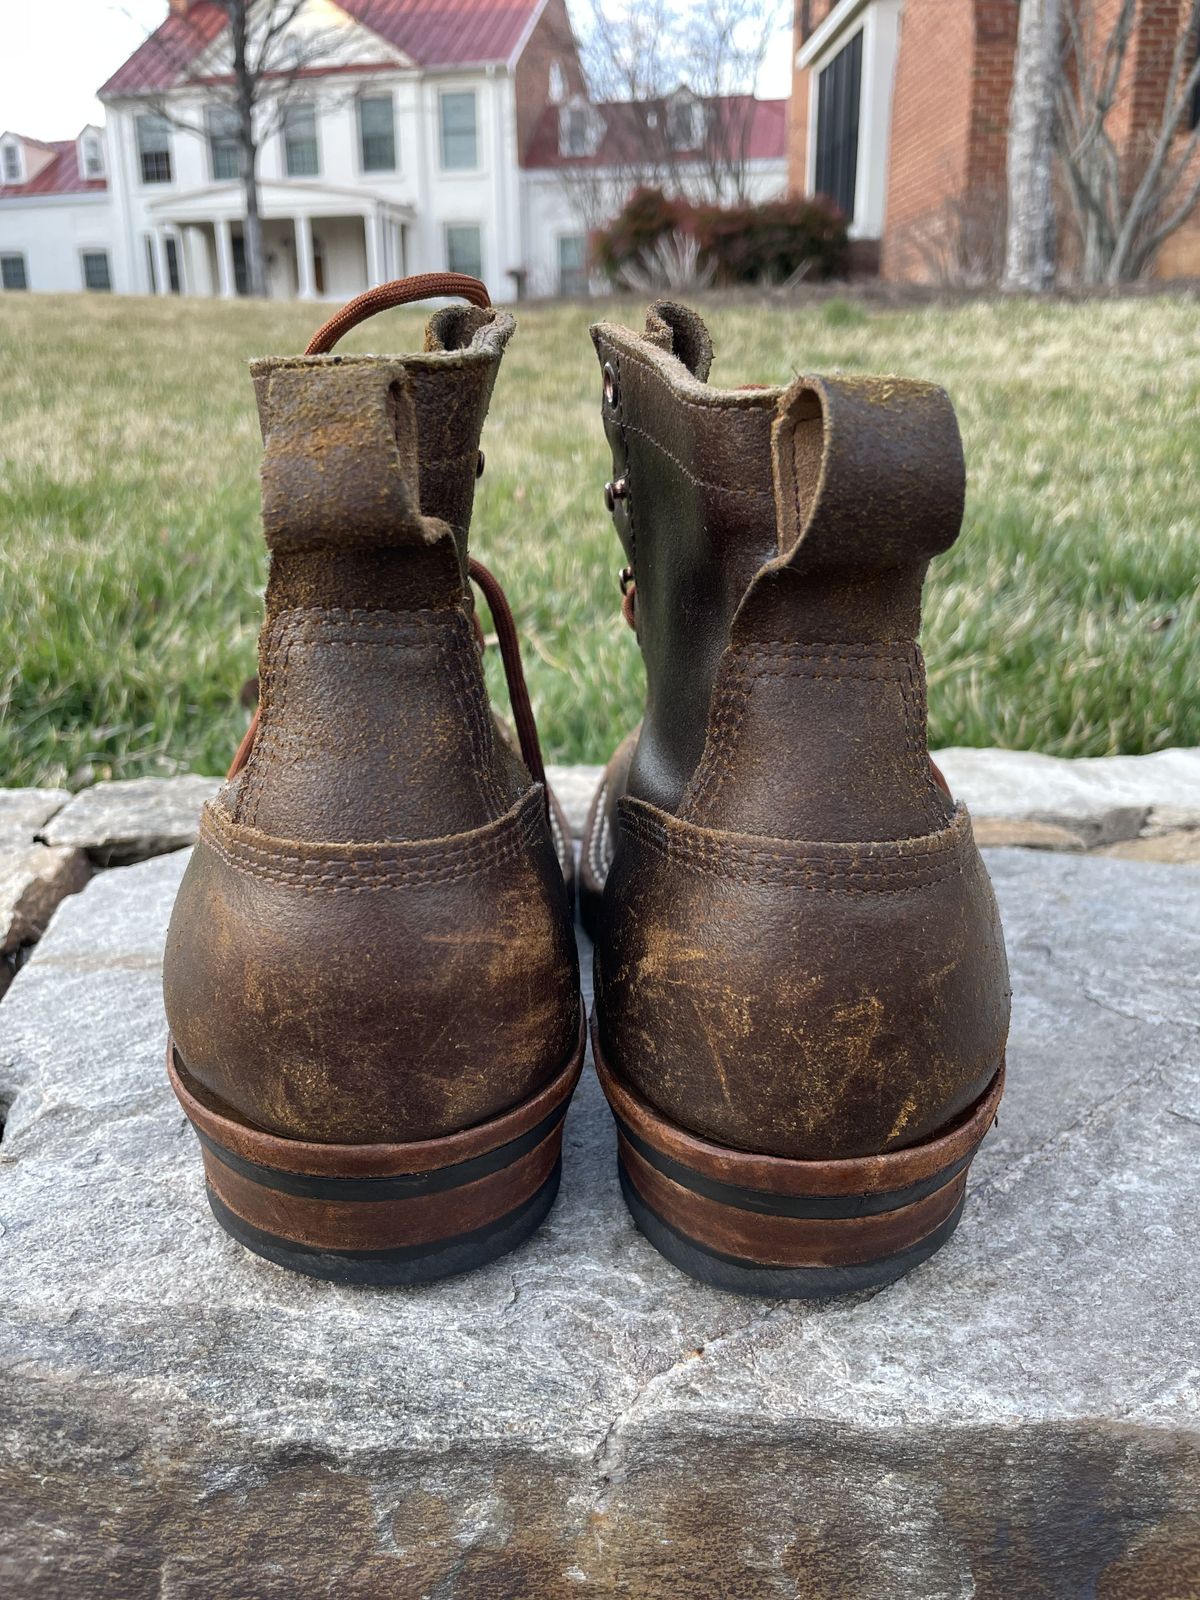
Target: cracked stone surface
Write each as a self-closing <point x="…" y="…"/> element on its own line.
<point x="24" y="811"/>
<point x="34" y="880"/>
<point x="1019" y="1418"/>
<point x="133" y="818"/>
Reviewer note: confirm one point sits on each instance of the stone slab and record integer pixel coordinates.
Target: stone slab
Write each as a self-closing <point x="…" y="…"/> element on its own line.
<point x="34" y="880"/>
<point x="1019" y="1418"/>
<point x="1022" y="783"/>
<point x="133" y="818"/>
<point x="24" y="811"/>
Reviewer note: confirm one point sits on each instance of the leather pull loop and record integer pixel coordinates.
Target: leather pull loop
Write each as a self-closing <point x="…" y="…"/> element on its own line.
<point x="340" y="461"/>
<point x="868" y="473"/>
<point x="399" y="292"/>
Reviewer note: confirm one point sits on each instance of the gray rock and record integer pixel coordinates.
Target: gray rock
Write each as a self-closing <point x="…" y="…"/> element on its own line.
<point x="1022" y="783"/>
<point x="1181" y="847"/>
<point x="34" y="879"/>
<point x="1026" y="834"/>
<point x="1020" y="1417"/>
<point x="129" y="820"/>
<point x="24" y="811"/>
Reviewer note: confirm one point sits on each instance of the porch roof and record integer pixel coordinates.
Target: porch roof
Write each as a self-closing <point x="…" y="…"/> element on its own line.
<point x="218" y="202"/>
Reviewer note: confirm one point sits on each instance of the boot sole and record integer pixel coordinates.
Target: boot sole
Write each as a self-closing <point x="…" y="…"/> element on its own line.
<point x="790" y="1229"/>
<point x="383" y="1214"/>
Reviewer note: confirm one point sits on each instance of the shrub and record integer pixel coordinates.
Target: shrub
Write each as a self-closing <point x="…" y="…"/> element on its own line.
<point x="769" y="242"/>
<point x="647" y="218"/>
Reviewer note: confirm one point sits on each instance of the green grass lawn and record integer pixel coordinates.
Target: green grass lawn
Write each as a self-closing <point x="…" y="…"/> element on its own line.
<point x="1066" y="619"/>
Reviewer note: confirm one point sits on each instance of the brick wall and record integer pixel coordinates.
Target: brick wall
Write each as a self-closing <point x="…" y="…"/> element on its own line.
<point x="552" y="40"/>
<point x="946" y="198"/>
<point x="932" y="113"/>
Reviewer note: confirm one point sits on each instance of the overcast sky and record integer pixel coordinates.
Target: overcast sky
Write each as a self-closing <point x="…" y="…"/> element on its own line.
<point x="56" y="55"/>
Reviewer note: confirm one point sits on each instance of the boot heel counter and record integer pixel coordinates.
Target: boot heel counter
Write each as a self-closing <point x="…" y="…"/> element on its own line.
<point x="808" y="1000"/>
<point x="389" y="992"/>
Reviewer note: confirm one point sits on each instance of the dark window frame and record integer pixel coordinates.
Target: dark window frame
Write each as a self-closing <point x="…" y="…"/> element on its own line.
<point x="224" y="143"/>
<point x="384" y="156"/>
<point x="448" y="136"/>
<point x="573" y="278"/>
<point x="86" y="260"/>
<point x="296" y="145"/>
<point x="474" y="267"/>
<point x="839" y="125"/>
<point x="154" y="161"/>
<point x="7" y="259"/>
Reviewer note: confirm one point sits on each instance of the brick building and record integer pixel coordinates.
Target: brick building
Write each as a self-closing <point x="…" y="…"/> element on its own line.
<point x="900" y="113"/>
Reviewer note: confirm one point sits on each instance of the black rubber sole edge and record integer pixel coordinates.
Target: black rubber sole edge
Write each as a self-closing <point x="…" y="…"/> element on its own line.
<point x="404" y="1264"/>
<point x="739" y="1276"/>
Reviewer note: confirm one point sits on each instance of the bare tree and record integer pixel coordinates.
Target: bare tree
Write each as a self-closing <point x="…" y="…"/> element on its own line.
<point x="1030" y="253"/>
<point x="1129" y="195"/>
<point x="261" y="60"/>
<point x="682" y="77"/>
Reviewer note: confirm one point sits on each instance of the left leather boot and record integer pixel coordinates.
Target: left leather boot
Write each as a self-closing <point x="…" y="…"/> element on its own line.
<point x="370" y="975"/>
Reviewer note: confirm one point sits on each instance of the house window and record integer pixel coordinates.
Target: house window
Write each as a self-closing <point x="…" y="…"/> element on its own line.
<point x="575" y="130"/>
<point x="95" y="270"/>
<point x="173" y="279"/>
<point x="464" y="249"/>
<point x="154" y="148"/>
<point x="12" y="164"/>
<point x="93" y="160"/>
<point x="224" y="142"/>
<point x="377" y="133"/>
<point x="572" y="265"/>
<point x="300" y="140"/>
<point x="838" y="102"/>
<point x="685" y="124"/>
<point x="12" y="272"/>
<point x="460" y="144"/>
<point x="558" y="84"/>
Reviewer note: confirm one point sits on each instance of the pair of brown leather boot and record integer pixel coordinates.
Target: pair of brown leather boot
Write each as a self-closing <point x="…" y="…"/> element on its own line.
<point x="801" y="993"/>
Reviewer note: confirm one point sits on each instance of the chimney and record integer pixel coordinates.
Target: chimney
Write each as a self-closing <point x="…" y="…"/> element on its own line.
<point x="180" y="8"/>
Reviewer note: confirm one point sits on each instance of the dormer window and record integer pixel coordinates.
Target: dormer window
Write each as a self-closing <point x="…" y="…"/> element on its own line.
<point x="558" y="84"/>
<point x="685" y="122"/>
<point x="11" y="165"/>
<point x="92" y="160"/>
<point x="577" y="129"/>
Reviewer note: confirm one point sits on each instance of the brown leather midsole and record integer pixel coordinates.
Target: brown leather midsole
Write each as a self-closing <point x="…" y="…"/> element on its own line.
<point x="352" y="1198"/>
<point x="776" y="1211"/>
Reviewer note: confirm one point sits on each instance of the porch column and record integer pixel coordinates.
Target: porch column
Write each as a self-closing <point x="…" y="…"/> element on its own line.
<point x="159" y="246"/>
<point x="371" y="234"/>
<point x="306" y="271"/>
<point x="225" y="277"/>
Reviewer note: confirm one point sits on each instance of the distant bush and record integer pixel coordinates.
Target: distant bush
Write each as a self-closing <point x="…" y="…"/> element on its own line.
<point x="770" y="242"/>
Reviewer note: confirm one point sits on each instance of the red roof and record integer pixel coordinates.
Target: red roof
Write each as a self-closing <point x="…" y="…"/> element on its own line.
<point x="433" y="33"/>
<point x="761" y="123"/>
<point x="60" y="176"/>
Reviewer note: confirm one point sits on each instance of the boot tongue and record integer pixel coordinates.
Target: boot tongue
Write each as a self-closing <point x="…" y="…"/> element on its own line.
<point x="678" y="329"/>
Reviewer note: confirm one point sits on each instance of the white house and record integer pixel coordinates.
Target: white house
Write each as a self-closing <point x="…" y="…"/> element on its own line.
<point x="415" y="138"/>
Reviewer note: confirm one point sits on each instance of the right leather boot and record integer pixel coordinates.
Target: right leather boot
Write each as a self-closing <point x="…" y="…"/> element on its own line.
<point x="370" y="975"/>
<point x="801" y="989"/>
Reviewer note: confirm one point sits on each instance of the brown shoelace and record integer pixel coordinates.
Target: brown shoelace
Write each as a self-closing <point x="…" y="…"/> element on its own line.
<point x="400" y="292"/>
